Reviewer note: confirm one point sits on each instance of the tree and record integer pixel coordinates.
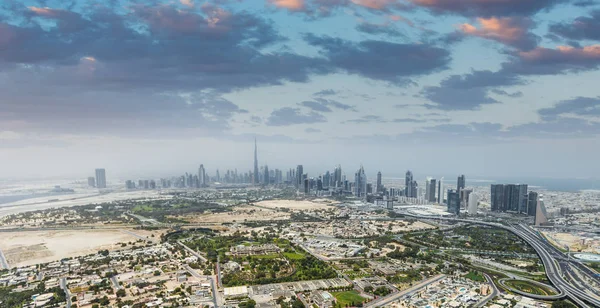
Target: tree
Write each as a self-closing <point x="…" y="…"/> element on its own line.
<point x="562" y="304"/>
<point x="121" y="293"/>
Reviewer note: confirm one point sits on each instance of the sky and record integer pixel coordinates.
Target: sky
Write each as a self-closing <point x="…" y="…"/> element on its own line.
<point x="155" y="88"/>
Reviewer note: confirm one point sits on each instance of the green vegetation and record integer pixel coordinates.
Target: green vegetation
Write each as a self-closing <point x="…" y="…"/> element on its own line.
<point x="529" y="287"/>
<point x="293" y="255"/>
<point x="474" y="238"/>
<point x="347" y="298"/>
<point x="563" y="304"/>
<point x="475" y="276"/>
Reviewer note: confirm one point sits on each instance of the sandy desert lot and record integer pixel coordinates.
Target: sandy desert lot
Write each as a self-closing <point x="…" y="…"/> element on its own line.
<point x="75" y="200"/>
<point x="296" y="204"/>
<point x="575" y="242"/>
<point x="33" y="247"/>
<point x="238" y="214"/>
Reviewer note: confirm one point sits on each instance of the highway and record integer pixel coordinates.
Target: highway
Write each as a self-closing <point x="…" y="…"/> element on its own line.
<point x="3" y="262"/>
<point x="550" y="256"/>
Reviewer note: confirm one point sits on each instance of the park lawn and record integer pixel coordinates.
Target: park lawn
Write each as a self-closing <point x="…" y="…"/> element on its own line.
<point x="271" y="256"/>
<point x="348" y="298"/>
<point x="293" y="255"/>
<point x="475" y="276"/>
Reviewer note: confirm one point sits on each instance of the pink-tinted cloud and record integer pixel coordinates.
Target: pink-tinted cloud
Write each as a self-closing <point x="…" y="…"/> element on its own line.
<point x="512" y="31"/>
<point x="374" y="4"/>
<point x="562" y="54"/>
<point x="292" y="5"/>
<point x="400" y="19"/>
<point x="188" y="3"/>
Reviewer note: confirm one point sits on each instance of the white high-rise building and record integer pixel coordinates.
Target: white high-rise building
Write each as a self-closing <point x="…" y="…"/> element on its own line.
<point x="202" y="176"/>
<point x="473" y="202"/>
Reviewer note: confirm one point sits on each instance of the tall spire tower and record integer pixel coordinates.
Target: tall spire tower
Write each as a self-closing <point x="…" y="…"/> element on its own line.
<point x="255" y="178"/>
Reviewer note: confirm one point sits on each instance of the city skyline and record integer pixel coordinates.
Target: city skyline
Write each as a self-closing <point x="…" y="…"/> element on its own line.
<point x="465" y="87"/>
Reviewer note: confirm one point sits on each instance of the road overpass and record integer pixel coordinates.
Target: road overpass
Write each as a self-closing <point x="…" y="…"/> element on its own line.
<point x="550" y="256"/>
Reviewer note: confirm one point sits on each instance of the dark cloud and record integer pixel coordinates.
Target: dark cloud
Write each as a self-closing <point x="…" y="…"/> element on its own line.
<point x="326" y="92"/>
<point x="582" y="28"/>
<point x="289" y="116"/>
<point x="487" y="8"/>
<point x="367" y="119"/>
<point x="385" y="29"/>
<point x="325" y="105"/>
<point x="546" y="61"/>
<point x="468" y="92"/>
<point x="581" y="106"/>
<point x="504" y="93"/>
<point x="381" y="60"/>
<point x="585" y="3"/>
<point x="409" y="120"/>
<point x="158" y="47"/>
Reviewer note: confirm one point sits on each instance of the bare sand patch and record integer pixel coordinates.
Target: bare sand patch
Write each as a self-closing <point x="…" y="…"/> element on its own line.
<point x="33" y="247"/>
<point x="319" y="204"/>
<point x="575" y="242"/>
<point x="238" y="214"/>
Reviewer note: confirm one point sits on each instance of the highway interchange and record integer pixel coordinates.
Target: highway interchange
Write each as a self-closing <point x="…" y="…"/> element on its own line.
<point x="558" y="266"/>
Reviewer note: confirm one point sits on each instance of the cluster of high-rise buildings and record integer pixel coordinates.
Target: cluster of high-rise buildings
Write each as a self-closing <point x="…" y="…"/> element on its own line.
<point x="504" y="197"/>
<point x="99" y="180"/>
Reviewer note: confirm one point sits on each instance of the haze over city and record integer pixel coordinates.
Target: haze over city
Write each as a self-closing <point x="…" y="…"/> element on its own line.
<point x="150" y="88"/>
<point x="299" y="153"/>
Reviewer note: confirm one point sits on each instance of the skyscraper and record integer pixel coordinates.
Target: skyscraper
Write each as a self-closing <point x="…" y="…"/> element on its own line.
<point x="360" y="183"/>
<point x="101" y="178"/>
<point x="532" y="200"/>
<point x="379" y="186"/>
<point x="430" y="190"/>
<point x="440" y="197"/>
<point x="460" y="183"/>
<point x="408" y="179"/>
<point x="91" y="181"/>
<point x="541" y="216"/>
<point x="453" y="202"/>
<point x="337" y="177"/>
<point x="522" y="199"/>
<point x="202" y="176"/>
<point x="267" y="176"/>
<point x="497" y="197"/>
<point x="473" y="202"/>
<point x="299" y="174"/>
<point x="255" y="175"/>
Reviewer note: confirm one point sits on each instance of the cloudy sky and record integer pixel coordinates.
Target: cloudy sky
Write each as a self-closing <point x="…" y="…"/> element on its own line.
<point x="482" y="87"/>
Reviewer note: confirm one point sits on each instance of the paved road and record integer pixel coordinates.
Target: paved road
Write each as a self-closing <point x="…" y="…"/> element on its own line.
<point x="212" y="282"/>
<point x="115" y="282"/>
<point x="193" y="252"/>
<point x="550" y="256"/>
<point x="395" y="296"/>
<point x="494" y="293"/>
<point x="63" y="286"/>
<point x="3" y="262"/>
